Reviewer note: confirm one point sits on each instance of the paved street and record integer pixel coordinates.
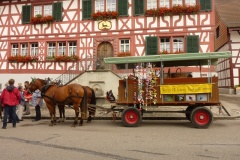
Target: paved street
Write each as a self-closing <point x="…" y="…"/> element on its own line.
<point x="103" y="139"/>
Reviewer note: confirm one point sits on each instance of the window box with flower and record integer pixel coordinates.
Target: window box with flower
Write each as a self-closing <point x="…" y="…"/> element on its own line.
<point x="106" y="15"/>
<point x="175" y="10"/>
<point x="63" y="58"/>
<point x="124" y="54"/>
<point x="23" y="59"/>
<point x="39" y="19"/>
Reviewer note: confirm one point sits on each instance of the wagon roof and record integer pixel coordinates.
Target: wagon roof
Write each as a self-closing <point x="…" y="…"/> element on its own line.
<point x="169" y="60"/>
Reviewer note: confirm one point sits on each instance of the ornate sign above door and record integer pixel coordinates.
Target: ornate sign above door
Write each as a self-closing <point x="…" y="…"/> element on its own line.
<point x="104" y="25"/>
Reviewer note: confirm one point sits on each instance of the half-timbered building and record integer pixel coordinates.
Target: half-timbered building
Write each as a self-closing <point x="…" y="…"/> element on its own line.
<point x="228" y="39"/>
<point x="46" y="37"/>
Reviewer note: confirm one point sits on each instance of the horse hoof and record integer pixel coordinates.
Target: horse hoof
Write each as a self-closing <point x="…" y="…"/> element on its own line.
<point x="50" y="124"/>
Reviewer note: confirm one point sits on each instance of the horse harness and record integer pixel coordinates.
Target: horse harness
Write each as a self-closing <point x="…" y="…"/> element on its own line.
<point x="47" y="86"/>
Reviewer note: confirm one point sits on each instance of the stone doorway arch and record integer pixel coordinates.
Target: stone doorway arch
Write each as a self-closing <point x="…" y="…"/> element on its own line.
<point x="105" y="49"/>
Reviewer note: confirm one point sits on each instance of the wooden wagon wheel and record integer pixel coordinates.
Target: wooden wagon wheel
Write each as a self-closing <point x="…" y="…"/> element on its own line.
<point x="131" y="117"/>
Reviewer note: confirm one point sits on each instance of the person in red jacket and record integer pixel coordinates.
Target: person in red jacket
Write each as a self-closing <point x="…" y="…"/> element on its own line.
<point x="9" y="98"/>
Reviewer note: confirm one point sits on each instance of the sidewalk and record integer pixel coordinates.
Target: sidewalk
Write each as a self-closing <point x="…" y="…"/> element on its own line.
<point x="230" y="109"/>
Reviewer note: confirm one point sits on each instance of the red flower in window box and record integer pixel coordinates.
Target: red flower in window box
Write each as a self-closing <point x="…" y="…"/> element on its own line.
<point x="39" y="19"/>
<point x="66" y="58"/>
<point x="175" y="10"/>
<point x="124" y="54"/>
<point x="23" y="59"/>
<point x="105" y="15"/>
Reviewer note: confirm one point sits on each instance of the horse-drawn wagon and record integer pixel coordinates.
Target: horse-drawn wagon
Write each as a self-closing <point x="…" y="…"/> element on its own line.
<point x="149" y="82"/>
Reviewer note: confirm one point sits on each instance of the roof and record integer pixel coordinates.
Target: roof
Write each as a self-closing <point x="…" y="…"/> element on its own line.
<point x="229" y="12"/>
<point x="169" y="60"/>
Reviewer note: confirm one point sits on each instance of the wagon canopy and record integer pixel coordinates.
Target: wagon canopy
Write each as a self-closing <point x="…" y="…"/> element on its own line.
<point x="169" y="60"/>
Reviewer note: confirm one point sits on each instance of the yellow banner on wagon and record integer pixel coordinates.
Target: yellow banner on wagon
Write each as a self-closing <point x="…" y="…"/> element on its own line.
<point x="186" y="88"/>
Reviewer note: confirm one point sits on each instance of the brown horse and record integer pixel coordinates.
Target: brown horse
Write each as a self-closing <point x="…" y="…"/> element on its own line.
<point x="53" y="94"/>
<point x="88" y="98"/>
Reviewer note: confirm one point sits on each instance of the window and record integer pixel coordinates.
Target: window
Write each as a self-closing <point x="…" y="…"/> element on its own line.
<point x="178" y="44"/>
<point x="123" y="8"/>
<point x="47" y="9"/>
<point x="105" y="5"/>
<point x="192" y="44"/>
<point x="86" y="9"/>
<point x="190" y="2"/>
<point x="151" y="4"/>
<point x="177" y="2"/>
<point x="54" y="9"/>
<point x="217" y="32"/>
<point x="151" y="46"/>
<point x="165" y="45"/>
<point x="138" y="7"/>
<point x="72" y="48"/>
<point x="24" y="49"/>
<point x="14" y="51"/>
<point x="37" y="10"/>
<point x="62" y="48"/>
<point x="43" y="10"/>
<point x="99" y="5"/>
<point x="51" y="49"/>
<point x="111" y="5"/>
<point x="164" y="3"/>
<point x="206" y="5"/>
<point x="124" y="45"/>
<point x="34" y="49"/>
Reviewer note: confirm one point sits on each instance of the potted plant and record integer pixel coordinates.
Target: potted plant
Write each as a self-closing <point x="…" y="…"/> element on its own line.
<point x="39" y="19"/>
<point x="23" y="59"/>
<point x="66" y="58"/>
<point x="106" y="15"/>
<point x="124" y="54"/>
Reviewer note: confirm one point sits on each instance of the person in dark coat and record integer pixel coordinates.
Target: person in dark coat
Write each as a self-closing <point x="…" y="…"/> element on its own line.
<point x="9" y="98"/>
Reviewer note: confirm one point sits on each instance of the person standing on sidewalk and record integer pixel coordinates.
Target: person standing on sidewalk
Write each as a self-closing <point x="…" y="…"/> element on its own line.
<point x="27" y="96"/>
<point x="37" y="102"/>
<point x="9" y="98"/>
<point x="20" y="105"/>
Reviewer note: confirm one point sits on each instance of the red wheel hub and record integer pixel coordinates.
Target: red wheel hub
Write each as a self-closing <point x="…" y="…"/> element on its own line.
<point x="202" y="117"/>
<point x="131" y="117"/>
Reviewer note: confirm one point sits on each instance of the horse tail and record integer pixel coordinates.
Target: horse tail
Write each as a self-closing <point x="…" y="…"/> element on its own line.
<point x="93" y="99"/>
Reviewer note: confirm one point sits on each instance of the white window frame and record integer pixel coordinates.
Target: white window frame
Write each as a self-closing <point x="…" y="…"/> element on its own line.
<point x="62" y="48"/>
<point x="34" y="49"/>
<point x="177" y="2"/>
<point x="151" y="4"/>
<point x="165" y="45"/>
<point x="178" y="45"/>
<point x="72" y="48"/>
<point x="14" y="51"/>
<point x="24" y="49"/>
<point x="99" y="5"/>
<point x="43" y="10"/>
<point x="124" y="45"/>
<point x="111" y="5"/>
<point x="165" y="3"/>
<point x="37" y="10"/>
<point x="47" y="10"/>
<point x="190" y="2"/>
<point x="51" y="49"/>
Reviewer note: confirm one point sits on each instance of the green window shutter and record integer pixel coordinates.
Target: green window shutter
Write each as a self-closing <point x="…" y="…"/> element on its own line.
<point x="86" y="9"/>
<point x="123" y="7"/>
<point x="206" y="5"/>
<point x="192" y="44"/>
<point x="57" y="11"/>
<point x="26" y="14"/>
<point x="138" y="7"/>
<point x="151" y="46"/>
